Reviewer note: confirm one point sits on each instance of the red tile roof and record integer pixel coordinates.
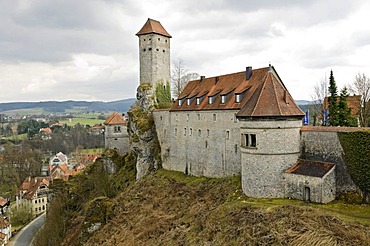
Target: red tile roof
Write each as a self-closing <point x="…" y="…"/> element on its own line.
<point x="311" y="168"/>
<point x="115" y="119"/>
<point x="30" y="185"/>
<point x="3" y="202"/>
<point x="2" y="235"/>
<point x="4" y="223"/>
<point x="262" y="95"/>
<point x="332" y="129"/>
<point x="153" y="26"/>
<point x="354" y="102"/>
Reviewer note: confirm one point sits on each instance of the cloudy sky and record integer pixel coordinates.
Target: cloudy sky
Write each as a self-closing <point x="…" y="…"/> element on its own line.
<point x="87" y="49"/>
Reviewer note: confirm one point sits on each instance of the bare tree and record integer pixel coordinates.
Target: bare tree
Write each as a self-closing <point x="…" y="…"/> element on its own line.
<point x="361" y="86"/>
<point x="320" y="91"/>
<point x="180" y="77"/>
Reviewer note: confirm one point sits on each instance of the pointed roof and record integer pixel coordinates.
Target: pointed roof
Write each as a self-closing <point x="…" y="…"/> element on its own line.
<point x="115" y="119"/>
<point x="153" y="26"/>
<point x="262" y="95"/>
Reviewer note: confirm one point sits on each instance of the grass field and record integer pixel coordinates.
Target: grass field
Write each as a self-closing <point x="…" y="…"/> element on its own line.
<point x="82" y="121"/>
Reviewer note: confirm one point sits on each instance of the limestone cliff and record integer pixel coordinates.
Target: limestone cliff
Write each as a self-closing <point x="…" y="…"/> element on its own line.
<point x="142" y="133"/>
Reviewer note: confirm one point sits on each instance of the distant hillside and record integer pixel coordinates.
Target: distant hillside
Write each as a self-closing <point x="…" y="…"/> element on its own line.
<point x="67" y="106"/>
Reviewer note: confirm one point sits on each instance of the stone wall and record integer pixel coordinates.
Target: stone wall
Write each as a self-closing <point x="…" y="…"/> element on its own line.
<point x="200" y="143"/>
<point x="154" y="52"/>
<point x="322" y="190"/>
<point x="276" y="150"/>
<point x="323" y="145"/>
<point x="116" y="139"/>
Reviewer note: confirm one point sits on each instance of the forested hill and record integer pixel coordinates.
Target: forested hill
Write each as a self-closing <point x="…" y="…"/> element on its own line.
<point x="60" y="107"/>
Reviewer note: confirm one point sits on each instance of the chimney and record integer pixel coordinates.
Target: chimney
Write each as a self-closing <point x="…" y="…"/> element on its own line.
<point x="217" y="79"/>
<point x="202" y="77"/>
<point x="248" y="73"/>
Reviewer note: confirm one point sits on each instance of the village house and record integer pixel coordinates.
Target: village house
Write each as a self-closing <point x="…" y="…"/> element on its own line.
<point x="5" y="230"/>
<point x="34" y="191"/>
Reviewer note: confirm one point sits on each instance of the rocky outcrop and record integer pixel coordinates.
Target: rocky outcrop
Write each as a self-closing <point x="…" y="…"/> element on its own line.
<point x="142" y="133"/>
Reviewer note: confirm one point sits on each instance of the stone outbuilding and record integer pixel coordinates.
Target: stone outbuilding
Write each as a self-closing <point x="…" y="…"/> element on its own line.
<point x="312" y="181"/>
<point x="115" y="133"/>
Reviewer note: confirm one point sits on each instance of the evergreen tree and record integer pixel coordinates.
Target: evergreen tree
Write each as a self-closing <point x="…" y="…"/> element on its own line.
<point x="333" y="101"/>
<point x="345" y="117"/>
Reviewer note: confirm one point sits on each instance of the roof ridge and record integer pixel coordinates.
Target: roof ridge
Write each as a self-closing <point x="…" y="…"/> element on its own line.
<point x="259" y="96"/>
<point x="276" y="96"/>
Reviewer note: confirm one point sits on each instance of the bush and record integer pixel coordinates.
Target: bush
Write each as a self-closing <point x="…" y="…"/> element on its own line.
<point x="22" y="215"/>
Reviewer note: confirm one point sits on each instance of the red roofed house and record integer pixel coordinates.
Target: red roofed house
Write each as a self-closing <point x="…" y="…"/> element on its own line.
<point x="115" y="134"/>
<point x="35" y="192"/>
<point x="354" y="102"/>
<point x="5" y="230"/>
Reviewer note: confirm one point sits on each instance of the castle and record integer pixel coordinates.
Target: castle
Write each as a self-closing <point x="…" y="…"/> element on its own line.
<point x="246" y="124"/>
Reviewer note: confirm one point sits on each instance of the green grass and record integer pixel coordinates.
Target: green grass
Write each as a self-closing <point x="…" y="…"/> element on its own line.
<point x="17" y="137"/>
<point x="82" y="121"/>
<point x="340" y="209"/>
<point x="92" y="151"/>
<point x="28" y="111"/>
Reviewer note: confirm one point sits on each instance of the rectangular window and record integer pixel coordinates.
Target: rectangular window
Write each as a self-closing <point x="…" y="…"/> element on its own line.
<point x="175" y="131"/>
<point x="198" y="116"/>
<point x="188" y="101"/>
<point x="180" y="102"/>
<point x="253" y="140"/>
<point x="238" y="98"/>
<point x="185" y="131"/>
<point x="191" y="132"/>
<point x="207" y="132"/>
<point x="187" y="117"/>
<point x="227" y="134"/>
<point x="214" y="117"/>
<point x="198" y="100"/>
<point x="223" y="99"/>
<point x="177" y="117"/>
<point x="199" y="133"/>
<point x="210" y="100"/>
<point x="249" y="140"/>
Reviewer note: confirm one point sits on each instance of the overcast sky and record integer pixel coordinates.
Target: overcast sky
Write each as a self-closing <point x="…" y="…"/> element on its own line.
<point x="87" y="49"/>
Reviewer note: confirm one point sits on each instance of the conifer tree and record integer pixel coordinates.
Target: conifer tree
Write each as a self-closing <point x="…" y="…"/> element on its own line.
<point x="345" y="117"/>
<point x="333" y="101"/>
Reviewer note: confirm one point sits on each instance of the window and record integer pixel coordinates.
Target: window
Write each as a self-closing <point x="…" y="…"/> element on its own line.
<point x="253" y="140"/>
<point x="187" y="117"/>
<point x="35" y="201"/>
<point x="164" y="132"/>
<point x="164" y="51"/>
<point x="159" y="39"/>
<point x="198" y="116"/>
<point x="199" y="133"/>
<point x="214" y="117"/>
<point x="180" y="102"/>
<point x="249" y="140"/>
<point x="227" y="134"/>
<point x="161" y="118"/>
<point x="238" y="98"/>
<point x="157" y="49"/>
<point x="117" y="129"/>
<point x="177" y="117"/>
<point x="207" y="132"/>
<point x="175" y="131"/>
<point x="206" y="144"/>
<point x="223" y="99"/>
<point x="191" y="132"/>
<point x="185" y="131"/>
<point x="150" y="49"/>
<point x="210" y="100"/>
<point x="144" y="49"/>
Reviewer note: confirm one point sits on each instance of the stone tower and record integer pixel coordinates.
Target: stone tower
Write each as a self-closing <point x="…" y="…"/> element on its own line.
<point x="154" y="52"/>
<point x="270" y="138"/>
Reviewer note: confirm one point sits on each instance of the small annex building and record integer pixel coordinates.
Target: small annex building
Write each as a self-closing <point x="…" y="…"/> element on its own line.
<point x="312" y="181"/>
<point x="115" y="133"/>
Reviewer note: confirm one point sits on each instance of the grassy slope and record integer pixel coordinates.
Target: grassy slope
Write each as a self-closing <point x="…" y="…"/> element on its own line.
<point x="169" y="208"/>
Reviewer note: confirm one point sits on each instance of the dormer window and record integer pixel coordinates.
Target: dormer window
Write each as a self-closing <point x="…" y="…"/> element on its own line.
<point x="188" y="101"/>
<point x="211" y="99"/>
<point x="223" y="99"/>
<point x="180" y="102"/>
<point x="238" y="98"/>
